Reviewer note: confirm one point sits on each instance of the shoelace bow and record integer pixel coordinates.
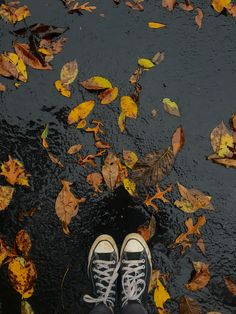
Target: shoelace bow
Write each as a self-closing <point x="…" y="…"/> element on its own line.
<point x="106" y="288"/>
<point x="132" y="283"/>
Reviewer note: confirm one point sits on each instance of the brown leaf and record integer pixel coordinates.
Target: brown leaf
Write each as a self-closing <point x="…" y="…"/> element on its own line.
<point x="67" y="205"/>
<point x="154" y="277"/>
<point x="111" y="170"/>
<point x="189" y="306"/>
<point x="158" y="57"/>
<point x="135" y="77"/>
<point x="154" y="167"/>
<point x="227" y="162"/>
<point x="169" y="4"/>
<point x="55" y="160"/>
<point x="135" y="5"/>
<point x="232" y="9"/>
<point x="108" y="96"/>
<point x="178" y="140"/>
<point x="130" y="158"/>
<point x="147" y="232"/>
<point x="23" y="52"/>
<point x="5" y="252"/>
<point x="95" y="130"/>
<point x="201" y="277"/>
<point x="233" y="120"/>
<point x="52" y="47"/>
<point x="231" y="285"/>
<point x="158" y="195"/>
<point x="89" y="159"/>
<point x="183" y="239"/>
<point x="200" y="243"/>
<point x="74" y="149"/>
<point x="102" y="145"/>
<point x="28" y="213"/>
<point x="13" y="13"/>
<point x="95" y="179"/>
<point x="2" y="87"/>
<point x="6" y="193"/>
<point x="7" y="68"/>
<point x="186" y="7"/>
<point x="23" y="242"/>
<point x="14" y="172"/>
<point x="75" y="7"/>
<point x="199" y="18"/>
<point x="217" y="134"/>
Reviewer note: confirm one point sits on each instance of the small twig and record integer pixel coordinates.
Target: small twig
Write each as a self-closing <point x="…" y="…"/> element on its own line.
<point x="62" y="283"/>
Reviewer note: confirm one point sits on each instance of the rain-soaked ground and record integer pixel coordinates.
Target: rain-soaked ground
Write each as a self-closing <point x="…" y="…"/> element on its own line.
<point x="199" y="73"/>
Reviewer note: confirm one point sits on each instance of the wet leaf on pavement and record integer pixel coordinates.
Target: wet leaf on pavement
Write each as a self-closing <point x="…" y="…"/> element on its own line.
<point x="199" y="18"/>
<point x="26" y="308"/>
<point x="108" y="96"/>
<point x="147" y="232"/>
<point x="14" y="172"/>
<point x="13" y="12"/>
<point x="6" y="193"/>
<point x="23" y="242"/>
<point x="200" y="278"/>
<point x="96" y="83"/>
<point x="95" y="179"/>
<point x="81" y="111"/>
<point x="171" y="107"/>
<point x="159" y="195"/>
<point x="189" y="306"/>
<point x="161" y="295"/>
<point x="231" y="285"/>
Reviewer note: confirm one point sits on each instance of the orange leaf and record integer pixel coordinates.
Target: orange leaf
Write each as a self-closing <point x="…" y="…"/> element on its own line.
<point x="95" y="179"/>
<point x="148" y="232"/>
<point x="156" y="25"/>
<point x="201" y="277"/>
<point x="159" y="195"/>
<point x="108" y="96"/>
<point x="199" y="18"/>
<point x="169" y="4"/>
<point x="178" y="140"/>
<point x="231" y="285"/>
<point x="74" y="149"/>
<point x="23" y="242"/>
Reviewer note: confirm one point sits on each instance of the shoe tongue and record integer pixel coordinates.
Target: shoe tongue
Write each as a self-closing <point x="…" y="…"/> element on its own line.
<point x="104" y="256"/>
<point x="133" y="255"/>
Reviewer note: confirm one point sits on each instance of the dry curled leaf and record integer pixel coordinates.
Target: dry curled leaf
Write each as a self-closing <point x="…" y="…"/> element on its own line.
<point x="178" y="140"/>
<point x="96" y="130"/>
<point x="183" y="239"/>
<point x="108" y="96"/>
<point x="22" y="275"/>
<point x="169" y="4"/>
<point x="199" y="18"/>
<point x="74" y="149"/>
<point x="81" y="111"/>
<point x="147" y="232"/>
<point x="6" y="193"/>
<point x="96" y="83"/>
<point x="189" y="306"/>
<point x="14" y="172"/>
<point x="23" y="242"/>
<point x="95" y="179"/>
<point x="154" y="167"/>
<point x="55" y="160"/>
<point x="44" y="136"/>
<point x="192" y="200"/>
<point x="136" y="75"/>
<point x="186" y="6"/>
<point x="231" y="285"/>
<point x="159" y="195"/>
<point x="67" y="205"/>
<point x="201" y="277"/>
<point x="171" y="107"/>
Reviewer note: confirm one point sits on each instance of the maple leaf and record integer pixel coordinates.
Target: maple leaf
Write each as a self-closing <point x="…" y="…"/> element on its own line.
<point x="158" y="195"/>
<point x="14" y="172"/>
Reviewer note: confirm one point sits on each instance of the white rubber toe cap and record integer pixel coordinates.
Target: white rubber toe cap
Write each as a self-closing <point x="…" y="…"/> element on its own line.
<point x="133" y="246"/>
<point x="104" y="247"/>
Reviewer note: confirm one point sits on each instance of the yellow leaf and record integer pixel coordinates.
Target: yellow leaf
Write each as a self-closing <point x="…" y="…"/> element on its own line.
<point x="171" y="107"/>
<point x="26" y="308"/>
<point x="96" y="83"/>
<point x="130" y="186"/>
<point x="145" y="63"/>
<point x="130" y="158"/>
<point x="6" y="193"/>
<point x="20" y="66"/>
<point x="81" y="124"/>
<point x="156" y="25"/>
<point x="81" y="111"/>
<point x="226" y="142"/>
<point x="160" y="296"/>
<point x="129" y="107"/>
<point x="220" y="5"/>
<point x="108" y="96"/>
<point x="69" y="72"/>
<point x="121" y="121"/>
<point x="45" y="52"/>
<point x="63" y="89"/>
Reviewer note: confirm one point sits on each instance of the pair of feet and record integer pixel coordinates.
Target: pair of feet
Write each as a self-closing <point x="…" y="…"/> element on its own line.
<point x="134" y="267"/>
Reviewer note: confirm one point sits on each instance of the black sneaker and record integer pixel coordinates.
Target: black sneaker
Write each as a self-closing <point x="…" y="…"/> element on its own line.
<point x="103" y="267"/>
<point x="136" y="269"/>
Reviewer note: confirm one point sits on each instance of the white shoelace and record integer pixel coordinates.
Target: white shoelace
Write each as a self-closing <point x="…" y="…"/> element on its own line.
<point x="132" y="283"/>
<point x="106" y="288"/>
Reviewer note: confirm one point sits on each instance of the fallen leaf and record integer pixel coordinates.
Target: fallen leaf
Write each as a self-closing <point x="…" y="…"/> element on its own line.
<point x="199" y="17"/>
<point x="159" y="195"/>
<point x="22" y="275"/>
<point x="201" y="277"/>
<point x="130" y="186"/>
<point x="67" y="205"/>
<point x="89" y="159"/>
<point x="23" y="242"/>
<point x="102" y="145"/>
<point x="51" y="47"/>
<point x="186" y="6"/>
<point x="110" y="170"/>
<point x="2" y="87"/>
<point x="121" y="121"/>
<point x="95" y="179"/>
<point x="69" y="73"/>
<point x="28" y="213"/>
<point x="19" y="65"/>
<point x="178" y="140"/>
<point x="81" y="111"/>
<point x="64" y="90"/>
<point x="75" y="7"/>
<point x="231" y="285"/>
<point x="129" y="107"/>
<point x="44" y="137"/>
<point x="26" y="308"/>
<point x="136" y="93"/>
<point x="42" y="31"/>
<point x="55" y="160"/>
<point x="145" y="63"/>
<point x="95" y="130"/>
<point x="232" y="9"/>
<point x="200" y="243"/>
<point x="147" y="232"/>
<point x="154" y="277"/>
<point x="6" y="193"/>
<point x="74" y="149"/>
<point x="130" y="158"/>
<point x="183" y="239"/>
<point x="220" y="5"/>
<point x="154" y="113"/>
<point x="96" y="83"/>
<point x="135" y="5"/>
<point x="192" y="200"/>
<point x="7" y="68"/>
<point x="227" y="162"/>
<point x="158" y="57"/>
<point x="82" y="124"/>
<point x="13" y="13"/>
<point x="169" y="4"/>
<point x="161" y="295"/>
<point x="5" y="252"/>
<point x="189" y="306"/>
<point x="108" y="96"/>
<point x="23" y="51"/>
<point x="171" y="107"/>
<point x="154" y="167"/>
<point x="14" y="172"/>
<point x="156" y="25"/>
<point x="136" y="75"/>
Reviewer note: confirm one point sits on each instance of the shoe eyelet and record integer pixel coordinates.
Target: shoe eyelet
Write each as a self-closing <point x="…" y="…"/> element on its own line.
<point x="95" y="276"/>
<point x="143" y="267"/>
<point x="113" y="262"/>
<point x="143" y="260"/>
